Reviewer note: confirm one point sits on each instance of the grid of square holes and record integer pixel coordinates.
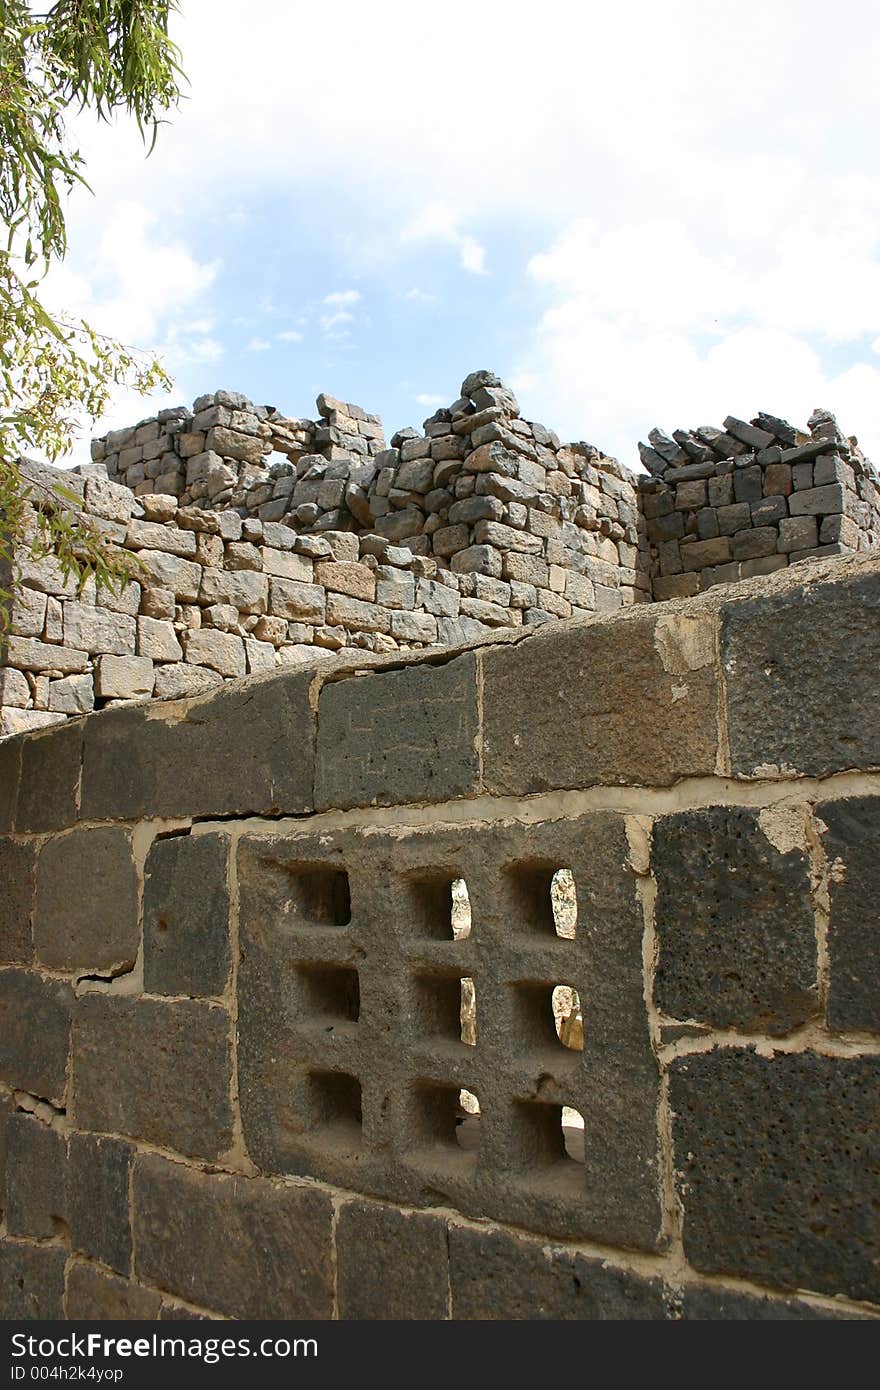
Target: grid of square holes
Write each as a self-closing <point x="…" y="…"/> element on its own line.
<point x="435" y="993"/>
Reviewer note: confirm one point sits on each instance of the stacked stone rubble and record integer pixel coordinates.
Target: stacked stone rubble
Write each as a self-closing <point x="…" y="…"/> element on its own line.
<point x="723" y="505"/>
<point x="261" y="541"/>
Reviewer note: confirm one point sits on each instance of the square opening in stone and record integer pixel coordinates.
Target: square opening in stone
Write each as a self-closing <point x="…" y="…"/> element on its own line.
<point x="547" y="1017"/>
<point x="440" y="906"/>
<point x="333" y="1105"/>
<point x="445" y="1007"/>
<point x="545" y="898"/>
<point x="330" y="992"/>
<point x="547" y="1137"/>
<point x="318" y="896"/>
<point x="445" y="1117"/>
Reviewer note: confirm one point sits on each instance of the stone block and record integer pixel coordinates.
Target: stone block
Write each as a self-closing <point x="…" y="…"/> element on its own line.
<point x="733" y="518"/>
<point x="818" y="501"/>
<point x="790" y="707"/>
<point x="36" y="1178"/>
<point x="28" y="613"/>
<point x="99" y="1170"/>
<point x="243" y="1246"/>
<point x="701" y="554"/>
<point x="756" y="543"/>
<point x="151" y="535"/>
<point x="157" y="640"/>
<point x="186" y="916"/>
<point x="31" y="1281"/>
<point x="98" y="630"/>
<point x="840" y="530"/>
<point x="690" y="495"/>
<point x="221" y="651"/>
<point x="748" y="484"/>
<point x="777" y="480"/>
<point x="301" y="602"/>
<point x="786" y="1194"/>
<point x="162" y="571"/>
<point x="797" y="533"/>
<point x="17" y="882"/>
<point x="50" y="773"/>
<point x="436" y="598"/>
<point x="171" y="1070"/>
<point x="509" y="1278"/>
<point x="123" y="677"/>
<point x="246" y="590"/>
<point x="93" y="1295"/>
<point x="94" y="931"/>
<point x="409" y="735"/>
<point x="525" y="569"/>
<point x="395" y="589"/>
<point x="132" y="757"/>
<point x="110" y="500"/>
<point x="734" y="919"/>
<point x="675" y="586"/>
<point x="34" y="1032"/>
<point x="354" y="613"/>
<point x="29" y="654"/>
<point x="390" y="1264"/>
<point x="356" y="580"/>
<point x="414" y="627"/>
<point x="72" y="695"/>
<point x="600" y="674"/>
<point x="850" y="831"/>
<point x="178" y="681"/>
<point x="284" y="564"/>
<point x="478" y="559"/>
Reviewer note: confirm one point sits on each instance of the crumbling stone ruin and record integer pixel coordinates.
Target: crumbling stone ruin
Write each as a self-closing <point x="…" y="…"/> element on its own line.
<point x="289" y="972"/>
<point x="264" y="542"/>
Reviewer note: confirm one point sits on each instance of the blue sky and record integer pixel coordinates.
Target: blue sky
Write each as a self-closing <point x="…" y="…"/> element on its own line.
<point x="637" y="214"/>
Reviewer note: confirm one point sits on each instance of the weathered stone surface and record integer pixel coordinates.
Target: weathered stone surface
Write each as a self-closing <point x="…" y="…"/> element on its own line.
<point x="158" y="640"/>
<point x="170" y="1064"/>
<point x="17" y="881"/>
<point x="850" y="832"/>
<point x="785" y="1194"/>
<point x="390" y="1264"/>
<point x="99" y="1170"/>
<point x="133" y="757"/>
<point x="367" y="715"/>
<point x="186" y="916"/>
<point x="301" y="602"/>
<point x="34" y="1031"/>
<point x="179" y="681"/>
<point x="32" y="655"/>
<point x="600" y="672"/>
<point x="95" y="930"/>
<point x="31" y="1281"/>
<point x="222" y="651"/>
<point x="49" y="779"/>
<point x="735" y="921"/>
<point x="98" y="630"/>
<point x="123" y="677"/>
<point x="707" y="1303"/>
<point x="498" y="1276"/>
<point x="264" y="1248"/>
<point x="36" y="1178"/>
<point x="245" y="590"/>
<point x="93" y="1295"/>
<point x="790" y="708"/>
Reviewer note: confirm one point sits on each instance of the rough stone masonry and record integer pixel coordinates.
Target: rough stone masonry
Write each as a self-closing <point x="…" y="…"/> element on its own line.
<point x="237" y="1076"/>
<point x="262" y="542"/>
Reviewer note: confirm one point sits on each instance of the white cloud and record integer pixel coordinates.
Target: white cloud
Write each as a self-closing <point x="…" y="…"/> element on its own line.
<point x="343" y="297"/>
<point x="258" y="345"/>
<point x="428" y="399"/>
<point x="438" y="222"/>
<point x="651" y="322"/>
<point x="289" y="335"/>
<point x="417" y="296"/>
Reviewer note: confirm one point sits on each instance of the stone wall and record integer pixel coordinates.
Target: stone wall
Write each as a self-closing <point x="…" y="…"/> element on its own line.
<point x="234" y="1076"/>
<point x="728" y="504"/>
<point x="261" y="539"/>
